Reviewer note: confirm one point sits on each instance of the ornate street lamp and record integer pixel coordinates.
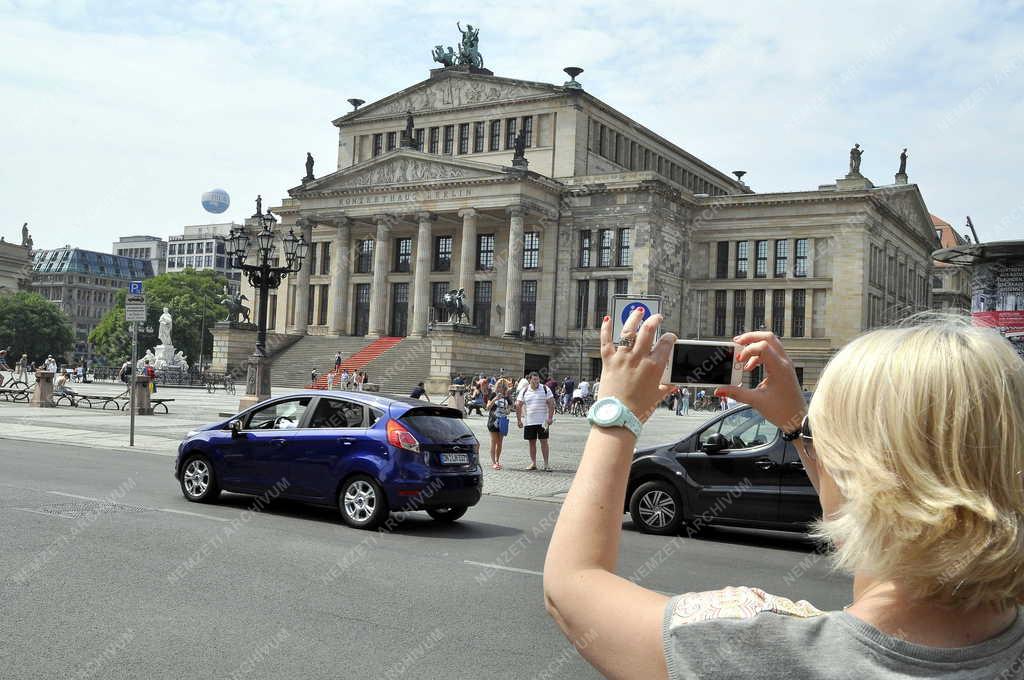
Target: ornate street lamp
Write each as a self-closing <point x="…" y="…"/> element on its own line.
<point x="263" y="274"/>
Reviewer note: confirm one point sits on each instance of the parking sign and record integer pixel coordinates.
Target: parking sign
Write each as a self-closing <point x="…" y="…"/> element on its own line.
<point x="135" y="288"/>
<point x="626" y="304"/>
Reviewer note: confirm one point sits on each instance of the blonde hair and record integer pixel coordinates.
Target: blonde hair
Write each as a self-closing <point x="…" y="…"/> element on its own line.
<point x="922" y="429"/>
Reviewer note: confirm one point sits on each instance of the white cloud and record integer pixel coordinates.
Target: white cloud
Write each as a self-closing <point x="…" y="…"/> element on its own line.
<point x="116" y="119"/>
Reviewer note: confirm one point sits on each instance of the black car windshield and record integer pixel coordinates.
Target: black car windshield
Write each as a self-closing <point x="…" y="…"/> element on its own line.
<point x="437" y="426"/>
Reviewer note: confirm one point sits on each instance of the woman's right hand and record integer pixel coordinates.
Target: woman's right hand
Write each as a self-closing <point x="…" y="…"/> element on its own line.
<point x="778" y="397"/>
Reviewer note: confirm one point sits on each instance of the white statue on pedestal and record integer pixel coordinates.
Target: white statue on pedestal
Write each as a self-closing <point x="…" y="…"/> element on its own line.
<point x="165" y="328"/>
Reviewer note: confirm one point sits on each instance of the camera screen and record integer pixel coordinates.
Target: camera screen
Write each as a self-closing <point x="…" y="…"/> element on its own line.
<point x="702" y="364"/>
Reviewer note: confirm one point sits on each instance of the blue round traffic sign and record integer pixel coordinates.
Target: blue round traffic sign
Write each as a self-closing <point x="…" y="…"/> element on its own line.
<point x="628" y="309"/>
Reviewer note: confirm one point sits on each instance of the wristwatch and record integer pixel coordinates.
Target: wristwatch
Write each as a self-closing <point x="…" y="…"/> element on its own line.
<point x="610" y="412"/>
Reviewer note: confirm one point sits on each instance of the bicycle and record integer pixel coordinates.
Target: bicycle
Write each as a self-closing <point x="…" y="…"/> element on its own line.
<point x="229" y="385"/>
<point x="579" y="407"/>
<point x="13" y="382"/>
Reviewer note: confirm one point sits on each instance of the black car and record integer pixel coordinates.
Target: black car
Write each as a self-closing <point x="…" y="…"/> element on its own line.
<point x="736" y="470"/>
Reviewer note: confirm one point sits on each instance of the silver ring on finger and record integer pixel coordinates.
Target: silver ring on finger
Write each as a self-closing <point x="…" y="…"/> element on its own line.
<point x="627" y="341"/>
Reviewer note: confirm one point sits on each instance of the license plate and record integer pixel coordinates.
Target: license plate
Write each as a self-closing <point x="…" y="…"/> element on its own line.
<point x="455" y="458"/>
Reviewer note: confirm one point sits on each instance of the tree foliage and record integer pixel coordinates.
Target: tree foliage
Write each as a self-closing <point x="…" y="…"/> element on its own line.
<point x="30" y="324"/>
<point x="193" y="298"/>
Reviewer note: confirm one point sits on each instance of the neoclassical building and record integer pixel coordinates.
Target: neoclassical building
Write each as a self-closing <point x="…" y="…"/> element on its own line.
<point x="602" y="206"/>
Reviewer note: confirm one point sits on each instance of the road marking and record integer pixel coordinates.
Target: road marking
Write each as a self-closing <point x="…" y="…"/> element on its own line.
<point x="503" y="568"/>
<point x="175" y="512"/>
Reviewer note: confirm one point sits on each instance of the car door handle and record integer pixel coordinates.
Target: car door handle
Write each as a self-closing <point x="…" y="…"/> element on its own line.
<point x="347" y="441"/>
<point x="795" y="465"/>
<point x="765" y="464"/>
<point x="278" y="442"/>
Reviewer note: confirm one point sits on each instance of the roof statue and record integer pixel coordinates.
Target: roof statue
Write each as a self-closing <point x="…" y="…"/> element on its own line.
<point x="468" y="57"/>
<point x="408" y="140"/>
<point x="903" y="162"/>
<point x="309" y="168"/>
<point x="855" y="153"/>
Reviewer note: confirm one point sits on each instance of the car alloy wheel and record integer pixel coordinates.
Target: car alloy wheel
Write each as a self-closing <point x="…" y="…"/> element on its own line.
<point x="198" y="481"/>
<point x="656" y="508"/>
<point x="362" y="502"/>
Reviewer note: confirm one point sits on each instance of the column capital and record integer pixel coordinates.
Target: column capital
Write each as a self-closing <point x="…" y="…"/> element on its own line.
<point x="516" y="210"/>
<point x="426" y="216"/>
<point x="468" y="212"/>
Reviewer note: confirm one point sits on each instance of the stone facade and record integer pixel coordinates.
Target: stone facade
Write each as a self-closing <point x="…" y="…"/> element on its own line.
<point x="605" y="206"/>
<point x="15" y="267"/>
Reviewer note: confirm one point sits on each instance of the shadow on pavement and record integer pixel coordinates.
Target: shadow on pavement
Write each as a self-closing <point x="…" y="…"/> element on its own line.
<point x="753" y="538"/>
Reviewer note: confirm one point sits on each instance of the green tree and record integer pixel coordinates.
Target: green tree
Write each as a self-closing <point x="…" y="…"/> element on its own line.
<point x="193" y="298"/>
<point x="31" y="324"/>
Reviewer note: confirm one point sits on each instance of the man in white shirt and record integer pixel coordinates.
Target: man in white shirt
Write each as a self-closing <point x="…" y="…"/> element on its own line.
<point x="521" y="385"/>
<point x="535" y="405"/>
<point x="584" y="388"/>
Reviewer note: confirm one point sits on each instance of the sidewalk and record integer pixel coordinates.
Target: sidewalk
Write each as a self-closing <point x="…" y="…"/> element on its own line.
<point x="161" y="434"/>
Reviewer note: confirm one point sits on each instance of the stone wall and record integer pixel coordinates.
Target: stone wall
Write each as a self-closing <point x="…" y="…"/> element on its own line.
<point x="232" y="347"/>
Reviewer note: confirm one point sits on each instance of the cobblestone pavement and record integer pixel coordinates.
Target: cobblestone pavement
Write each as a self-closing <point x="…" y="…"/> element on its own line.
<point x="160" y="435"/>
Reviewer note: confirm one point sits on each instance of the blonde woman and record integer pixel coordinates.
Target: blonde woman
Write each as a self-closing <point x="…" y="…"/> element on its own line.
<point x="924" y="503"/>
<point x="497" y="421"/>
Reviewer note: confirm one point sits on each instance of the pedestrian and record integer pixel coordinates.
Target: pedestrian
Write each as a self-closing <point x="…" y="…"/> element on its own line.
<point x="475" y="402"/>
<point x="933" y="544"/>
<point x="535" y="411"/>
<point x="723" y="404"/>
<point x="531" y="330"/>
<point x="522" y="384"/>
<point x="313" y="375"/>
<point x="683" y="402"/>
<point x="51" y="364"/>
<point x="150" y="372"/>
<point x="359" y="381"/>
<point x="330" y="381"/>
<point x="497" y="422"/>
<point x="80" y="373"/>
<point x="125" y="373"/>
<point x="337" y="361"/>
<point x="346" y="379"/>
<point x="419" y="392"/>
<point x="23" y="367"/>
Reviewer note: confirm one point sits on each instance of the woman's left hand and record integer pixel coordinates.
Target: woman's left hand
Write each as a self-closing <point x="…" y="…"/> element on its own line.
<point x="633" y="374"/>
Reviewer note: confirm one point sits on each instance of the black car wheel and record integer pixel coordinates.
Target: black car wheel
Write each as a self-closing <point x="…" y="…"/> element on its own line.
<point x="656" y="508"/>
<point x="362" y="503"/>
<point x="449" y="514"/>
<point x="198" y="480"/>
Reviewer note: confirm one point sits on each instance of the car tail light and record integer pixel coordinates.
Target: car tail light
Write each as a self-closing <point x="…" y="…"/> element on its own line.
<point x="400" y="437"/>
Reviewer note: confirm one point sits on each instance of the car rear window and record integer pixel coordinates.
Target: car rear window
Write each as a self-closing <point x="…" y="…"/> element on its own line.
<point x="436" y="425"/>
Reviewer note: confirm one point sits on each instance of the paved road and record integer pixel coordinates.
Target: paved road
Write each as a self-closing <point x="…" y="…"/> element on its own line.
<point x="144" y="584"/>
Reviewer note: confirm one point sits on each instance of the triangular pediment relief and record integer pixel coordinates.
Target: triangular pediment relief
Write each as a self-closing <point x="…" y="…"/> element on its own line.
<point x="452" y="92"/>
<point x="400" y="168"/>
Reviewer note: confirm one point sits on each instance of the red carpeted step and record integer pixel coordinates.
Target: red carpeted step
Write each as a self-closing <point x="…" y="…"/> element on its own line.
<point x="359" y="359"/>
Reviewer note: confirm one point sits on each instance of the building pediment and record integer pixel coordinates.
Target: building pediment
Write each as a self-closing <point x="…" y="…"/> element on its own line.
<point x="398" y="168"/>
<point x="450" y="91"/>
<point x="909" y="205"/>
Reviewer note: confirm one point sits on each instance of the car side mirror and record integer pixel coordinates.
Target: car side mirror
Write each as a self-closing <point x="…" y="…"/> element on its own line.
<point x="715" y="443"/>
<point x="236" y="428"/>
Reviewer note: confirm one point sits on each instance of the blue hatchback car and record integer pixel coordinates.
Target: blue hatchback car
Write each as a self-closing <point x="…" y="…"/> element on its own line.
<point x="362" y="453"/>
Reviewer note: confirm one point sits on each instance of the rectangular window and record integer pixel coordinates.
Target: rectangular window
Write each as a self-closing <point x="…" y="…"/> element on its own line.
<point x="321" y="312"/>
<point x="582" y="301"/>
<point x="434" y="135"/>
<point x="391" y="141"/>
<point x="378" y="143"/>
<point x="482" y="305"/>
<point x="208" y="261"/>
<point x="757" y="322"/>
<point x="364" y="256"/>
<point x="495" y="135"/>
<point x="604" y="248"/>
<point x="761" y="261"/>
<point x="818" y="313"/>
<point x="742" y="258"/>
<point x="418" y="135"/>
<point x="510" y="133"/>
<point x="781" y="258"/>
<point x="463" y="138"/>
<point x="191" y="247"/>
<point x="722" y="260"/>
<point x="621" y="286"/>
<point x="312" y="258"/>
<point x="484" y="252"/>
<point x="209" y="246"/>
<point x="403" y="254"/>
<point x="478" y="137"/>
<point x="531" y="250"/>
<point x="443" y="253"/>
<point x="528" y="130"/>
<point x="799" y="312"/>
<point x="528" y="304"/>
<point x="800" y="260"/>
<point x="720" y="302"/>
<point x="449" y="139"/>
<point x="309" y="305"/>
<point x="600" y="301"/>
<point x="325" y="258"/>
<point x="437" y="291"/>
<point x="625" y="255"/>
<point x="584" y="259"/>
<point x="779" y="312"/>
<point x="739" y="312"/>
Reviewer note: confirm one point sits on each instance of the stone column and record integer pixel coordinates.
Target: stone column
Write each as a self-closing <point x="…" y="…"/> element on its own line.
<point x="340" y="269"/>
<point x="421" y="274"/>
<point x="515" y="271"/>
<point x="143" y="406"/>
<point x="467" y="259"/>
<point x="378" y="291"/>
<point x="42" y="396"/>
<point x="302" y="281"/>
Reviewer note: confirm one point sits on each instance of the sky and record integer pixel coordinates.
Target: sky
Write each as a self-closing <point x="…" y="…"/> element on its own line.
<point x="117" y="116"/>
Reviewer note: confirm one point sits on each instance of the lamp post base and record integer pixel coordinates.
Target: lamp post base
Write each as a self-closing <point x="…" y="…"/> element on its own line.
<point x="257" y="382"/>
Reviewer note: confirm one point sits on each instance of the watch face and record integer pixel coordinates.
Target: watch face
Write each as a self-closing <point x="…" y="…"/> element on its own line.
<point x="606" y="413"/>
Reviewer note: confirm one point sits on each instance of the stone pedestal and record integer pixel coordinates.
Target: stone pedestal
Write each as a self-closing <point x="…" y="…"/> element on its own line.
<point x="232" y="345"/>
<point x="143" y="406"/>
<point x="43" y="394"/>
<point x="901" y="178"/>
<point x="851" y="182"/>
<point x="257" y="382"/>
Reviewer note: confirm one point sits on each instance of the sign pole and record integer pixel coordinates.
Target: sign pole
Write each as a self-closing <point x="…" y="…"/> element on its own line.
<point x="131" y="383"/>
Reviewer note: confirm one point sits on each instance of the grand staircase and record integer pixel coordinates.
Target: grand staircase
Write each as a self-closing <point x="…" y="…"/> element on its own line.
<point x="396" y="364"/>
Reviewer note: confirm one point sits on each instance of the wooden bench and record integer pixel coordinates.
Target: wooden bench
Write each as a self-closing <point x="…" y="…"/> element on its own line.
<point x="154" y="402"/>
